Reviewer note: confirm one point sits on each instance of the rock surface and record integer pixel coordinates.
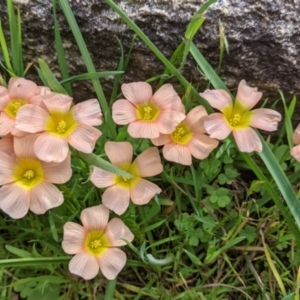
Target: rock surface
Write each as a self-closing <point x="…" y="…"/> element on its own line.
<point x="263" y="37"/>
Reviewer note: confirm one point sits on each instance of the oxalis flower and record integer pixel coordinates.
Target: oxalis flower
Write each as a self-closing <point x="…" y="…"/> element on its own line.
<point x="122" y="189"/>
<point x="238" y="117"/>
<point x="148" y="115"/>
<point x="295" y="151"/>
<point x="19" y="92"/>
<point x="94" y="244"/>
<point x="27" y="182"/>
<point x="60" y="124"/>
<point x="188" y="139"/>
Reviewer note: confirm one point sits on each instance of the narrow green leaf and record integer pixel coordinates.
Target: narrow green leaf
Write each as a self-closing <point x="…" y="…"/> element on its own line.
<point x="91" y="76"/>
<point x="17" y="251"/>
<point x="5" y="51"/>
<point x="33" y="261"/>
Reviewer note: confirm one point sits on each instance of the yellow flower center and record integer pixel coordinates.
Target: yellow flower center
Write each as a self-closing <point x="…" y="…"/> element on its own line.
<point x="28" y="173"/>
<point x="96" y="242"/>
<point x="182" y="134"/>
<point x="147" y="112"/>
<point x="125" y="182"/>
<point x="13" y="106"/>
<point x="235" y="120"/>
<point x="61" y="124"/>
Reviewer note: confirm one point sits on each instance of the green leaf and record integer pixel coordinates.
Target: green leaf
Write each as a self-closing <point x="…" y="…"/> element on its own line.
<point x="18" y="252"/>
<point x="193" y="257"/>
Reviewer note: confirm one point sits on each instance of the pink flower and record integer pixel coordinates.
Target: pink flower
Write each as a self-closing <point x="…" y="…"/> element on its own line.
<point x="7" y="144"/>
<point x="188" y="139"/>
<point x="94" y="244"/>
<point x="148" y="115"/>
<point x="27" y="182"/>
<point x="295" y="151"/>
<point x="122" y="189"/>
<point x="238" y="117"/>
<point x="60" y="124"/>
<point x="19" y="92"/>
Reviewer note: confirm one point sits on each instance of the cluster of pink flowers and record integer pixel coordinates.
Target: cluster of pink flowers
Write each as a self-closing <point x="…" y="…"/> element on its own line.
<point x="37" y="126"/>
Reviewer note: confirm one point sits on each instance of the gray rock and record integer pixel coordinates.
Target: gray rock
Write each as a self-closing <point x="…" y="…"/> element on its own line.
<point x="263" y="37"/>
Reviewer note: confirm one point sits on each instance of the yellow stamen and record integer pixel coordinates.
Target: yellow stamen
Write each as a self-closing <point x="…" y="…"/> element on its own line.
<point x="61" y="128"/>
<point x="235" y="120"/>
<point x="182" y="134"/>
<point x="147" y="112"/>
<point x="13" y="106"/>
<point x="95" y="244"/>
<point x="29" y="174"/>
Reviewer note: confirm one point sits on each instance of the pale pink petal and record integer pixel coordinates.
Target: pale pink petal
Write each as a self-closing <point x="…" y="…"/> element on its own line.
<point x="218" y="99"/>
<point x="7" y="166"/>
<point x="84" y="138"/>
<point x="14" y="200"/>
<point x="43" y="90"/>
<point x="265" y="119"/>
<point x="101" y="178"/>
<point x="161" y="140"/>
<point x="143" y="191"/>
<point x="296" y="135"/>
<point x="4" y="97"/>
<point x="88" y="112"/>
<point x="23" y="146"/>
<point x="177" y="153"/>
<point x="116" y="199"/>
<point x="74" y="238"/>
<point x="6" y="124"/>
<point x="18" y="133"/>
<point x="20" y="88"/>
<point x="84" y="265"/>
<point x="216" y="126"/>
<point x="119" y="152"/>
<point x="57" y="102"/>
<point x="201" y="145"/>
<point x="247" y="140"/>
<point x="123" y="112"/>
<point x="45" y="196"/>
<point x="167" y="98"/>
<point x="52" y="175"/>
<point x="168" y="120"/>
<point x="116" y="230"/>
<point x="195" y="119"/>
<point x="31" y="118"/>
<point x="112" y="262"/>
<point x="148" y="163"/>
<point x="7" y="144"/>
<point x="51" y="148"/>
<point x="140" y="129"/>
<point x="95" y="217"/>
<point x="137" y="92"/>
<point x="247" y="95"/>
<point x="295" y="152"/>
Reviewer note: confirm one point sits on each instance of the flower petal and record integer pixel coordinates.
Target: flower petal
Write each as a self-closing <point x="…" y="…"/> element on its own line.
<point x="265" y="119"/>
<point x="84" y="265"/>
<point x="7" y="144"/>
<point x="116" y="230"/>
<point x="101" y="178"/>
<point x="143" y="191"/>
<point x="123" y="112"/>
<point x="247" y="95"/>
<point x="84" y="138"/>
<point x="74" y="238"/>
<point x="88" y="112"/>
<point x="148" y="163"/>
<point x="295" y="152"/>
<point x="6" y="124"/>
<point x="195" y="119"/>
<point x="31" y="118"/>
<point x="166" y="97"/>
<point x="247" y="140"/>
<point x="177" y="153"/>
<point x="201" y="146"/>
<point x="95" y="217"/>
<point x="161" y="140"/>
<point x="168" y="120"/>
<point x="296" y="135"/>
<point x="50" y="148"/>
<point x="218" y="99"/>
<point x="216" y="126"/>
<point x="7" y="166"/>
<point x="119" y="152"/>
<point x="4" y="97"/>
<point x="14" y="200"/>
<point x="137" y="92"/>
<point x="23" y="146"/>
<point x="51" y="174"/>
<point x="57" y="102"/>
<point x="20" y="88"/>
<point x="140" y="129"/>
<point x="112" y="262"/>
<point x="116" y="199"/>
<point x="45" y="196"/>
